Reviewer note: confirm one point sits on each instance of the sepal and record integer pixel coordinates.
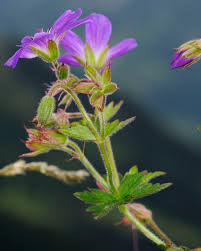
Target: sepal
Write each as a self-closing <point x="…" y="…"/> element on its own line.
<point x="45" y="110"/>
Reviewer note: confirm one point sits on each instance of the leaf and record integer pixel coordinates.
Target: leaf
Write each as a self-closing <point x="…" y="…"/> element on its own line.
<point x="149" y="189"/>
<point x="110" y="110"/>
<point x="79" y="132"/>
<point x="110" y="88"/>
<point x="96" y="196"/>
<point x="110" y="127"/>
<point x="135" y="185"/>
<point x="129" y="184"/>
<point x="124" y="123"/>
<point x="113" y="127"/>
<point x="150" y="176"/>
<point x="103" y="201"/>
<point x="100" y="210"/>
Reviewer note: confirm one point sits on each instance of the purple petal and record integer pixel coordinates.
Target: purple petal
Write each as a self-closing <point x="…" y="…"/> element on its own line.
<point x="12" y="61"/>
<point x="73" y="44"/>
<point x="66" y="21"/>
<point x="69" y="59"/>
<point x="122" y="48"/>
<point x="179" y="61"/>
<point x="98" y="32"/>
<point x="21" y="53"/>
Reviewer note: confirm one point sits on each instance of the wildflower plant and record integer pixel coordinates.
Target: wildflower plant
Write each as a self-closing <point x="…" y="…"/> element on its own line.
<point x="55" y="128"/>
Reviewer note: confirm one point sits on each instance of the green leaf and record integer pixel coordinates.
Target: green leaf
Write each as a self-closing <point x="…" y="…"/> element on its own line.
<point x="129" y="184"/>
<point x="149" y="189"/>
<point x="96" y="196"/>
<point x="124" y="123"/>
<point x="100" y="210"/>
<point x="110" y="127"/>
<point x="136" y="185"/>
<point x="110" y="88"/>
<point x="110" y="110"/>
<point x="113" y="127"/>
<point x="103" y="201"/>
<point x="79" y="132"/>
<point x="150" y="176"/>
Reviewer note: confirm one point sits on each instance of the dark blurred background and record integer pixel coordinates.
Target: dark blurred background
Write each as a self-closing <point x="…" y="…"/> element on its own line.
<point x="39" y="213"/>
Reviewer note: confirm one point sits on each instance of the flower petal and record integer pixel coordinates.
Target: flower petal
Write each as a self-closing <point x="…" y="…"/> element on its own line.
<point x="98" y="32"/>
<point x="73" y="44"/>
<point x="66" y="21"/>
<point x="21" y="53"/>
<point x="122" y="48"/>
<point x="179" y="61"/>
<point x="69" y="60"/>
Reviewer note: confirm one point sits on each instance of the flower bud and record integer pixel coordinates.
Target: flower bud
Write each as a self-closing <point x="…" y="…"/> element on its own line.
<point x="187" y="54"/>
<point x="45" y="110"/>
<point x="63" y="71"/>
<point x="42" y="140"/>
<point x="140" y="211"/>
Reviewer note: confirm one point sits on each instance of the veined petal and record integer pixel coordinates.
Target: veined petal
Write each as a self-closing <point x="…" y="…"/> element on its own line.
<point x="66" y="21"/>
<point x="69" y="60"/>
<point x="122" y="48"/>
<point x="40" y="41"/>
<point x="73" y="44"/>
<point x="98" y="32"/>
<point x="21" y="53"/>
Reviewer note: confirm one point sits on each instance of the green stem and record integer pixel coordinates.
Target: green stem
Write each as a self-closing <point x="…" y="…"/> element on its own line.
<point x="86" y="163"/>
<point x="142" y="227"/>
<point x="83" y="111"/>
<point x="112" y="162"/>
<point x="160" y="233"/>
<point x="105" y="158"/>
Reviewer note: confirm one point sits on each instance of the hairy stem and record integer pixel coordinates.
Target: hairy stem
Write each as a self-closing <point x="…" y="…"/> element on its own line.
<point x="141" y="227"/>
<point x="160" y="233"/>
<point x="106" y="161"/>
<point x="83" y="111"/>
<point x="86" y="163"/>
<point x="112" y="162"/>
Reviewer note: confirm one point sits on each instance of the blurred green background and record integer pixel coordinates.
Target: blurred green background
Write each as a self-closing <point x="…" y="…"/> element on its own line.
<point x="38" y="213"/>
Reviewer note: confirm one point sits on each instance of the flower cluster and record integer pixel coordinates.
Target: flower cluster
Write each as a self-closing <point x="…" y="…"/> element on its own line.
<point x="95" y="51"/>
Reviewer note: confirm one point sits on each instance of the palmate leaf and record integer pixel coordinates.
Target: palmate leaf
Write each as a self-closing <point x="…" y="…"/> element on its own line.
<point x="134" y="185"/>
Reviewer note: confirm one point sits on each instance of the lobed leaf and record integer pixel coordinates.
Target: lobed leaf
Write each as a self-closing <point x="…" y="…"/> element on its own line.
<point x="79" y="132"/>
<point x="110" y="110"/>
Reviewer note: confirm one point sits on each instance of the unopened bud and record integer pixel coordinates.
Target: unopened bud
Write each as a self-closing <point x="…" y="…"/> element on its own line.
<point x="63" y="72"/>
<point x="140" y="211"/>
<point x="45" y="109"/>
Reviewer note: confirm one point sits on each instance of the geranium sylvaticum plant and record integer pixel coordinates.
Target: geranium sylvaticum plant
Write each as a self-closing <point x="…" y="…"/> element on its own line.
<point x="55" y="128"/>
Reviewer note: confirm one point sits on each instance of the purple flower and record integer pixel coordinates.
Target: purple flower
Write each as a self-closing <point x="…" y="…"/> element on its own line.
<point x="45" y="44"/>
<point x="96" y="51"/>
<point x="187" y="54"/>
